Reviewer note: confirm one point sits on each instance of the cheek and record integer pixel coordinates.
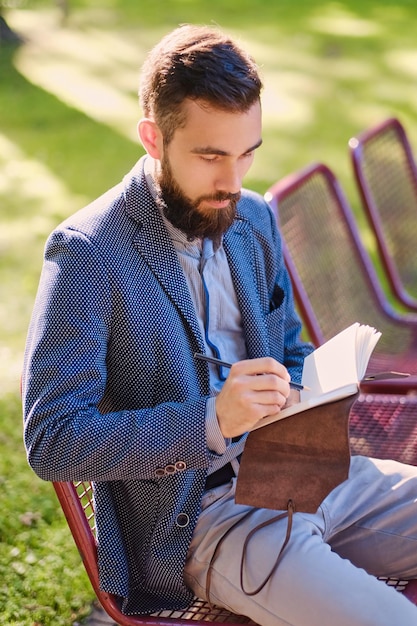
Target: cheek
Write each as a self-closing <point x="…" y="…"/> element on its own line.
<point x="246" y="165"/>
<point x="195" y="180"/>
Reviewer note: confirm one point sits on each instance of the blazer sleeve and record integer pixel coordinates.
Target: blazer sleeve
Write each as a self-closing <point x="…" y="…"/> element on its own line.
<point x="68" y="436"/>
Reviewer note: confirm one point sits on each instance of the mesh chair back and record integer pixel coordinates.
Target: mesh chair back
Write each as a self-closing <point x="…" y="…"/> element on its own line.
<point x="334" y="281"/>
<point x="386" y="175"/>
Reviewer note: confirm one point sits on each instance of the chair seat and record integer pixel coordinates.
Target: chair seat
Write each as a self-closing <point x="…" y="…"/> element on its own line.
<point x="77" y="503"/>
<point x="384" y="426"/>
<point x="199" y="610"/>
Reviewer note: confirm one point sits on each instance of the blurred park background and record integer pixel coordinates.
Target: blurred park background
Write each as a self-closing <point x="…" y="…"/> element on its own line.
<point x="68" y="114"/>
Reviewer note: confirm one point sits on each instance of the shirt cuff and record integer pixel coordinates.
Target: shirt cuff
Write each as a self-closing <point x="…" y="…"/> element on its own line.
<point x="215" y="441"/>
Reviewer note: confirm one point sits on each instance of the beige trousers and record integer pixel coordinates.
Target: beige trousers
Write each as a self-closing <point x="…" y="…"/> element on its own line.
<point x="366" y="527"/>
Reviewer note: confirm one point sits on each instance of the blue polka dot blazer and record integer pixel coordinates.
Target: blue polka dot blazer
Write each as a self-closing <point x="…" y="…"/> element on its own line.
<point x="111" y="390"/>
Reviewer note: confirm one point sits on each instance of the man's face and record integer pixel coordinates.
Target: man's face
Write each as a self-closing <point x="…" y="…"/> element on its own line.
<point x="203" y="166"/>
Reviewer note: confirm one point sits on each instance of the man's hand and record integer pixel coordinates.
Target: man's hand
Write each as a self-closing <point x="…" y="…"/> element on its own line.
<point x="253" y="389"/>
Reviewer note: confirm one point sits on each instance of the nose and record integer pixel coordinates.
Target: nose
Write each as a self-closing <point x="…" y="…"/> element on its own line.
<point x="229" y="179"/>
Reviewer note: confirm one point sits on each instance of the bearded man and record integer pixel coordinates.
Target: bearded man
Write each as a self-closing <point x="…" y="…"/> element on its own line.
<point x="180" y="259"/>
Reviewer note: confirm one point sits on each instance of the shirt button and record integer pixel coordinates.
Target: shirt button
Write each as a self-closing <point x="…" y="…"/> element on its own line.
<point x="180" y="466"/>
<point x="182" y="520"/>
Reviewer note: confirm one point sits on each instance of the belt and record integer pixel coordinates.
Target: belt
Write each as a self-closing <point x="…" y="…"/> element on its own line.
<point x="221" y="476"/>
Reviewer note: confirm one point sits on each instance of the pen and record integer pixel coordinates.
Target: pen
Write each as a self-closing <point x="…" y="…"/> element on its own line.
<point x="212" y="359"/>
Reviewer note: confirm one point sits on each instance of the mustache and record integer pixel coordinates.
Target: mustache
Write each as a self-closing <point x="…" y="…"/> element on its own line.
<point x="220" y="196"/>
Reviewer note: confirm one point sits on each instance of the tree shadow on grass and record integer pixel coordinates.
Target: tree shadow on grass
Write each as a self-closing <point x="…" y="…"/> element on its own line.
<point x="86" y="156"/>
<point x="54" y="159"/>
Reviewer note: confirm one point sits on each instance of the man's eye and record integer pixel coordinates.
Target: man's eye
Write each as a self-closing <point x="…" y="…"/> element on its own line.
<point x="209" y="159"/>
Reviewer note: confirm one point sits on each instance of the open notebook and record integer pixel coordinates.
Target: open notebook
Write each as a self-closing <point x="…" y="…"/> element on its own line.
<point x="300" y="460"/>
<point x="333" y="371"/>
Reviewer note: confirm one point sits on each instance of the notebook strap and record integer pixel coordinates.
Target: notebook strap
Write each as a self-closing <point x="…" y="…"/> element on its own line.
<point x="288" y="513"/>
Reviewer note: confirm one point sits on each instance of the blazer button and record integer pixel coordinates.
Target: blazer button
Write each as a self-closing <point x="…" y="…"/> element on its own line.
<point x="180" y="466"/>
<point x="159" y="472"/>
<point x="182" y="520"/>
<point x="170" y="469"/>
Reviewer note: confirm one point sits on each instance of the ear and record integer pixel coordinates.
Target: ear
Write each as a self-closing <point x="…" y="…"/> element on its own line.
<point x="151" y="137"/>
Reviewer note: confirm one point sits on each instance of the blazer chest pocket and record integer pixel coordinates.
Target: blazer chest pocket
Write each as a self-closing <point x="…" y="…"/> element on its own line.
<point x="274" y="322"/>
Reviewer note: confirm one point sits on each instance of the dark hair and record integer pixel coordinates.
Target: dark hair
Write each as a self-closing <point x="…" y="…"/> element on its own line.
<point x="199" y="63"/>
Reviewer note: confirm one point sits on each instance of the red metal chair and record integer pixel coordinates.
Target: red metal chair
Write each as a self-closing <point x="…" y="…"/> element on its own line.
<point x="334" y="280"/>
<point x="335" y="284"/>
<point x="386" y="176"/>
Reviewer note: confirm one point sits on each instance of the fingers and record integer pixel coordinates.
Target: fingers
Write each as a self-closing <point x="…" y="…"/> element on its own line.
<point x="254" y="389"/>
<point x="262" y="375"/>
<point x="264" y="365"/>
<point x="293" y="398"/>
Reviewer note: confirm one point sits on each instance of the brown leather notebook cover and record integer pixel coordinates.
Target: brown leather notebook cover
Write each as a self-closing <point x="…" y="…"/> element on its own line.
<point x="302" y="458"/>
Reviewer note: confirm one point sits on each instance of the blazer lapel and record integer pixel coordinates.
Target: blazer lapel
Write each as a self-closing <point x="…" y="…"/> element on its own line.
<point x="239" y="247"/>
<point x="156" y="248"/>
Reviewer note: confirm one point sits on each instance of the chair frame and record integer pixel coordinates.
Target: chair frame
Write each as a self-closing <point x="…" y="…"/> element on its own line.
<point x="357" y="146"/>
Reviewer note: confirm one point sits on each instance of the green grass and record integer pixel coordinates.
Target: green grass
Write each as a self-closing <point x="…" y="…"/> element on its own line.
<point x="41" y="578"/>
<point x="330" y="69"/>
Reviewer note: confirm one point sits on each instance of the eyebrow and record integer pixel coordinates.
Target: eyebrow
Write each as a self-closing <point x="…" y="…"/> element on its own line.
<point x="212" y="150"/>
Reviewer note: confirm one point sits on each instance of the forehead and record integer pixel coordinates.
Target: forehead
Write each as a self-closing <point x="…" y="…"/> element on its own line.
<point x="230" y="132"/>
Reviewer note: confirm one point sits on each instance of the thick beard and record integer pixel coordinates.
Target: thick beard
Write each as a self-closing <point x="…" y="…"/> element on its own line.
<point x="185" y="214"/>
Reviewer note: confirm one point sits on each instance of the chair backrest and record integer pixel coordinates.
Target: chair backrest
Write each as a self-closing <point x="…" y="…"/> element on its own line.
<point x="335" y="283"/>
<point x="77" y="503"/>
<point x="386" y="176"/>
